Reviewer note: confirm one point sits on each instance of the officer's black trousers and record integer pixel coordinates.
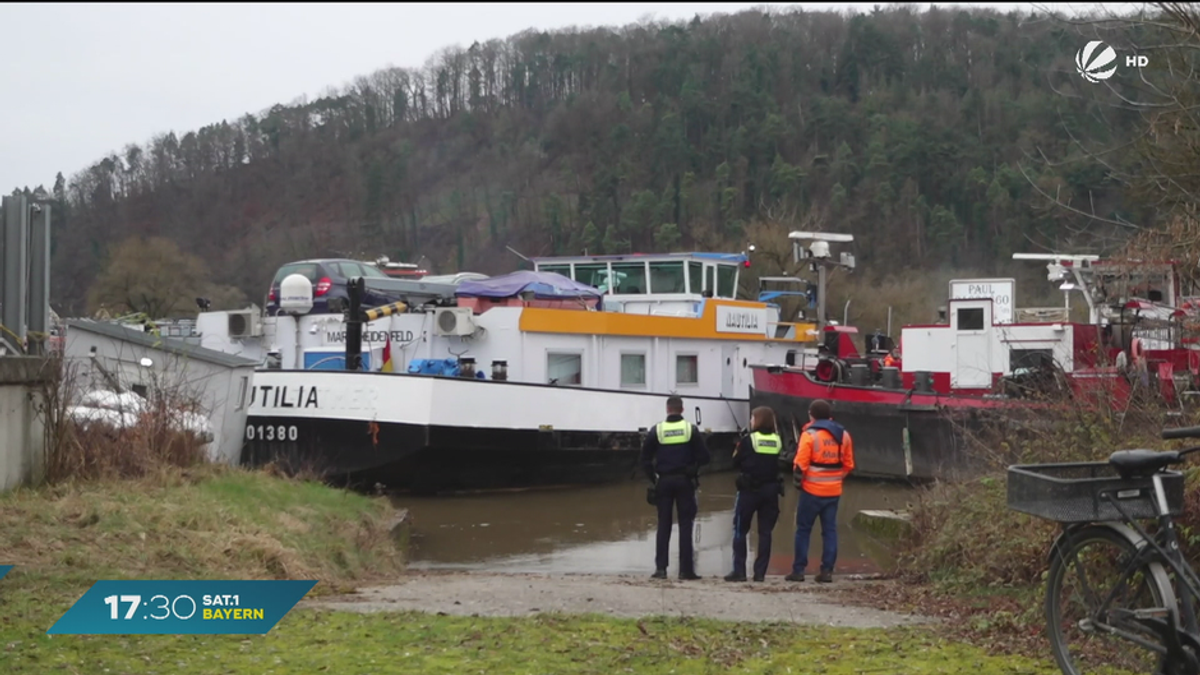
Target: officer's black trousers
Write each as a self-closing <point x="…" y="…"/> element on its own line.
<point x="678" y="493"/>
<point x="764" y="503"/>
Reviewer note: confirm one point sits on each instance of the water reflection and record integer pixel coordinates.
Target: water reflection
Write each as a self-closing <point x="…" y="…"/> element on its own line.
<point x="610" y="529"/>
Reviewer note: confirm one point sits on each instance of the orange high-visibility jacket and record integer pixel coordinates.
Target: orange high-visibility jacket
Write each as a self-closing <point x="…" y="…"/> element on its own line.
<point x="818" y="447"/>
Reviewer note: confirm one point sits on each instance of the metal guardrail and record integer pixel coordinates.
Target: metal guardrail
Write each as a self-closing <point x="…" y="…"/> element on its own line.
<point x="1042" y="314"/>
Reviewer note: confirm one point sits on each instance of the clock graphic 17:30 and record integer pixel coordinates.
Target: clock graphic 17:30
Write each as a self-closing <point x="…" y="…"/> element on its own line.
<point x="181" y="607"/>
<point x="168" y="606"/>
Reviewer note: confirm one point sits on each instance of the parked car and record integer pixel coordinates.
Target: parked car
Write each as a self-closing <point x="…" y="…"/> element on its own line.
<point x="455" y="279"/>
<point x="329" y="277"/>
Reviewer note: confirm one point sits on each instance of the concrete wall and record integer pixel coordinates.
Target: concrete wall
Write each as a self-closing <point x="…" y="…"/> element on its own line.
<point x="222" y="391"/>
<point x="22" y="427"/>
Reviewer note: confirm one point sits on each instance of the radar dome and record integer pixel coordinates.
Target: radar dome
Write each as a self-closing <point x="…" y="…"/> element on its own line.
<point x="295" y="294"/>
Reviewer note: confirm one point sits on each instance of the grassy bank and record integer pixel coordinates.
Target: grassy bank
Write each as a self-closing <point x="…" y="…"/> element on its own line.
<point x="200" y="523"/>
<point x="310" y="641"/>
<point x="973" y="560"/>
<point x="207" y="523"/>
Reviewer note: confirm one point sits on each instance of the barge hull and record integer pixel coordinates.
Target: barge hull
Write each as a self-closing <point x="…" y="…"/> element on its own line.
<point x="429" y="459"/>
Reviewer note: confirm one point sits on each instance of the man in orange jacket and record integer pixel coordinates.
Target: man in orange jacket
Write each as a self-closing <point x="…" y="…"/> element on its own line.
<point x="824" y="457"/>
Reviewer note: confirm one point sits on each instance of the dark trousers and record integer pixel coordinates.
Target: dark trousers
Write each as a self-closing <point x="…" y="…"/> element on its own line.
<point x="763" y="502"/>
<point x="678" y="493"/>
<point x="810" y="508"/>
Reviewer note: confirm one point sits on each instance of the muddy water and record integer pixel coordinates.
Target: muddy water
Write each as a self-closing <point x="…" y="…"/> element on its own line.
<point x="610" y="529"/>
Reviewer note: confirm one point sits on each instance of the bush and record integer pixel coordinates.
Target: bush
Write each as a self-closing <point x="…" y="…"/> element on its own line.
<point x="132" y="439"/>
<point x="964" y="534"/>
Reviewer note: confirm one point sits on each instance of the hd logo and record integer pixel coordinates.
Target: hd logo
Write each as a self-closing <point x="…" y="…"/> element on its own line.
<point x="1096" y="61"/>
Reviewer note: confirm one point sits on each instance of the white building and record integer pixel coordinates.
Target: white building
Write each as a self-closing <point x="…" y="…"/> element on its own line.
<point x="111" y="356"/>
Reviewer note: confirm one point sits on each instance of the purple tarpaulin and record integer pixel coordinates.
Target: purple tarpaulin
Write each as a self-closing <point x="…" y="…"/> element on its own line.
<point x="544" y="285"/>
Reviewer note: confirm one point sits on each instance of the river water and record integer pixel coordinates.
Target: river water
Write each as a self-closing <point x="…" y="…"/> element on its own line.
<point x="609" y="529"/>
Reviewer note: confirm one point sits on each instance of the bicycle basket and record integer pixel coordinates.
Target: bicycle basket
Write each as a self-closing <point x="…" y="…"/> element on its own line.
<point x="1076" y="492"/>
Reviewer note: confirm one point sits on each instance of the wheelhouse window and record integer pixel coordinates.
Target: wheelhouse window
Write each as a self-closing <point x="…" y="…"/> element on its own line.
<point x="667" y="277"/>
<point x="564" y="369"/>
<point x="726" y="281"/>
<point x="629" y="278"/>
<point x="564" y="270"/>
<point x="633" y="370"/>
<point x="593" y="274"/>
<point x="687" y="369"/>
<point x="710" y="279"/>
<point x="970" y="318"/>
<point x="695" y="277"/>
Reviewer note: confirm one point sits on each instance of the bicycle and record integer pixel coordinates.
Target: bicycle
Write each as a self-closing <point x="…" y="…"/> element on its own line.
<point x="1100" y="503"/>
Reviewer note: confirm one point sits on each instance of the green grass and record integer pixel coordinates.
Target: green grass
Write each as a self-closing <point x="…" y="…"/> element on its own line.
<point x="233" y="524"/>
<point x="196" y="524"/>
<point x="313" y="641"/>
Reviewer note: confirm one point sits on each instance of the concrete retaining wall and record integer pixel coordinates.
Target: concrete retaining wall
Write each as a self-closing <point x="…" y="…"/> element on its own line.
<point x="22" y="428"/>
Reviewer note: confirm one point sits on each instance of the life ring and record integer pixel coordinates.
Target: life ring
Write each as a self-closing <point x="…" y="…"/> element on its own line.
<point x="1135" y="351"/>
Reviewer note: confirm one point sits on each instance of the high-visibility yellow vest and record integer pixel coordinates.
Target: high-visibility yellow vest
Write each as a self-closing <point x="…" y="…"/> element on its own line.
<point x="674" y="433"/>
<point x="766" y="444"/>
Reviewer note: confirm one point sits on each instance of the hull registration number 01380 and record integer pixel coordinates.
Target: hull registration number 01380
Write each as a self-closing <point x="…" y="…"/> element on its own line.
<point x="271" y="432"/>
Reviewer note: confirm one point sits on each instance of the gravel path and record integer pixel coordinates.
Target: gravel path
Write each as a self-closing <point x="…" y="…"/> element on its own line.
<point x="490" y="594"/>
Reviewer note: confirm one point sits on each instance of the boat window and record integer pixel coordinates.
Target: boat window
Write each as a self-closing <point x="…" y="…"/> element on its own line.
<point x="593" y="274"/>
<point x="695" y="277"/>
<point x="633" y="370"/>
<point x="1030" y="358"/>
<point x="564" y="270"/>
<point x="629" y="278"/>
<point x="710" y="280"/>
<point x="687" y="369"/>
<point x="564" y="368"/>
<point x="970" y="318"/>
<point x="667" y="277"/>
<point x="726" y="281"/>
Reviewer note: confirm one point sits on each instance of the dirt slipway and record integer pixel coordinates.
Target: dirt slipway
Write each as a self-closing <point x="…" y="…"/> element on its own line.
<point x="492" y="594"/>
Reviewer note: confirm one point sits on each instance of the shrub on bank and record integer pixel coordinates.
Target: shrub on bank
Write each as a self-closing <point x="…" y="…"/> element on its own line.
<point x="135" y="497"/>
<point x="96" y="434"/>
<point x="964" y="534"/>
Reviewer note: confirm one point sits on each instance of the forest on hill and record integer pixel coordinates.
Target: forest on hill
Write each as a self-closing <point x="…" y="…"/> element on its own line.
<point x="948" y="138"/>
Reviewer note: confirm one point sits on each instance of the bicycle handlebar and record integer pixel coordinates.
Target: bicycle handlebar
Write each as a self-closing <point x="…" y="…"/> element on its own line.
<point x="1181" y="432"/>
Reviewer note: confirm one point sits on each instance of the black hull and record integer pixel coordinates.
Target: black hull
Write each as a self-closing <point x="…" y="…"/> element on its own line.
<point x="937" y="444"/>
<point x="430" y="459"/>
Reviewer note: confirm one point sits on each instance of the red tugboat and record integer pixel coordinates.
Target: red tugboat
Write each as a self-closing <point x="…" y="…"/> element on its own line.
<point x="907" y="407"/>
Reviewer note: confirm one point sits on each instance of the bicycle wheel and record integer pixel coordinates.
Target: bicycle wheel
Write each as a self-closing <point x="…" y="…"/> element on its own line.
<point x="1080" y="580"/>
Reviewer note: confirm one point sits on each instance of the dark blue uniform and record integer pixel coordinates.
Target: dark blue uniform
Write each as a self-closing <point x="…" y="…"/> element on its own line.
<point x="760" y="483"/>
<point x="672" y="453"/>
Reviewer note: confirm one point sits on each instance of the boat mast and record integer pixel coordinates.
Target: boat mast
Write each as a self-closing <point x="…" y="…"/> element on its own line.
<point x="819" y="259"/>
<point x="1057" y="271"/>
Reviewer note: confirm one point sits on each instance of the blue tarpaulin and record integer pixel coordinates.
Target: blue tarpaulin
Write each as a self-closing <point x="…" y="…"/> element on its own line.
<point x="544" y="286"/>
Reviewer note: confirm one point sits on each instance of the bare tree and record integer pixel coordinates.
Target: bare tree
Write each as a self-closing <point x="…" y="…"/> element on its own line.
<point x="1154" y="78"/>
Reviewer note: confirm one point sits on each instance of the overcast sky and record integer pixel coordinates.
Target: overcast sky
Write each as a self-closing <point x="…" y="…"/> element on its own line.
<point x="79" y="81"/>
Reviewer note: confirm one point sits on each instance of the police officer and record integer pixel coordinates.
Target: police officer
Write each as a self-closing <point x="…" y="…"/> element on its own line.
<point x="824" y="457"/>
<point x="759" y="486"/>
<point x="672" y="454"/>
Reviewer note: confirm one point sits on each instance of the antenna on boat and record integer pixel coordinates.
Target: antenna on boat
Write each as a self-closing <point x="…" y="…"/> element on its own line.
<point x="516" y="253"/>
<point x="1064" y="268"/>
<point x="819" y="259"/>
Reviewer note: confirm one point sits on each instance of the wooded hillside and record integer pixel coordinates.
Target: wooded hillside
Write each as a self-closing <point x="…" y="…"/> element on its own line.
<point x="933" y="137"/>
